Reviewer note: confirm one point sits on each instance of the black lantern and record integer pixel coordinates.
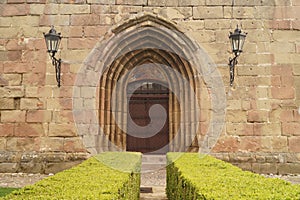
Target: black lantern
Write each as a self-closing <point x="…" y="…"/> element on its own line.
<point x="52" y="40"/>
<point x="237" y="41"/>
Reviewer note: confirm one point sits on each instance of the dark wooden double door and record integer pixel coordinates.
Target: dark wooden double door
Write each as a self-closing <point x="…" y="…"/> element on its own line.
<point x="148" y="142"/>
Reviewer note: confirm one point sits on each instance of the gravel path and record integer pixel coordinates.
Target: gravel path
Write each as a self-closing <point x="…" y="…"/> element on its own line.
<point x="156" y="178"/>
<point x="18" y="180"/>
<point x="295" y="179"/>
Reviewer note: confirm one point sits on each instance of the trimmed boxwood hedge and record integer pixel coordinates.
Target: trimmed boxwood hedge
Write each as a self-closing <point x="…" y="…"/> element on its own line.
<point x="196" y="176"/>
<point x="98" y="177"/>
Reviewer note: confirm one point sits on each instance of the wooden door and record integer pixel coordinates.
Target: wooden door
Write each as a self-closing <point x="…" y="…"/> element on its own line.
<point x="139" y="106"/>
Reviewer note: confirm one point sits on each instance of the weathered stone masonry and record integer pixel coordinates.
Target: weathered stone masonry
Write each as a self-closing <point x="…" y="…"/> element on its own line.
<point x="38" y="132"/>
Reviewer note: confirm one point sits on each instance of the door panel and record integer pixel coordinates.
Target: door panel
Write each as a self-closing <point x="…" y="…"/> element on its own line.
<point x="139" y="113"/>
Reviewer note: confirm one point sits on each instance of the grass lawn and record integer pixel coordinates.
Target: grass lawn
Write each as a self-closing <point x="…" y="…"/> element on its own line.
<point x="5" y="191"/>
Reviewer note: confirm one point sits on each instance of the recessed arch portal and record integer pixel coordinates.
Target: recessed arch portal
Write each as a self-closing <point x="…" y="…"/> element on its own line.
<point x="147" y="43"/>
<point x="173" y="70"/>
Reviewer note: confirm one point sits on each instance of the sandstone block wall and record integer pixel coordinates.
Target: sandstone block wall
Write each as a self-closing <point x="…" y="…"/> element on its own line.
<point x="262" y="127"/>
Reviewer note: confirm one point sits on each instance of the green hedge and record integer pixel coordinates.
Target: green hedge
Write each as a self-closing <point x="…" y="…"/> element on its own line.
<point x="96" y="178"/>
<point x="195" y="176"/>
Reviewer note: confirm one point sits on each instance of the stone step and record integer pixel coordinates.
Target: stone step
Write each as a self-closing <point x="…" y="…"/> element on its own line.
<point x="151" y="167"/>
<point x="153" y="197"/>
<point x="154" y="159"/>
<point x="153" y="162"/>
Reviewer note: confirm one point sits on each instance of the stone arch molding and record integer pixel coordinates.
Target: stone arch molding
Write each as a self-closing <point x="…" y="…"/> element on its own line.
<point x="99" y="95"/>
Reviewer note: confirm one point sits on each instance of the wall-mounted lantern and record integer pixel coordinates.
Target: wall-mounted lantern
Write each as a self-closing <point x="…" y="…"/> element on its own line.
<point x="52" y="40"/>
<point x="237" y="42"/>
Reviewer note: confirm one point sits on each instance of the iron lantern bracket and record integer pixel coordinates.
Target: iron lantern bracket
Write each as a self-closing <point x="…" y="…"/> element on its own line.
<point x="57" y="64"/>
<point x="232" y="62"/>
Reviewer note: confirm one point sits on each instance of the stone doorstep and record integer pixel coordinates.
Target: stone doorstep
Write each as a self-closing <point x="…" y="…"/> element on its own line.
<point x="157" y="159"/>
<point x="146" y="168"/>
<point x="152" y="163"/>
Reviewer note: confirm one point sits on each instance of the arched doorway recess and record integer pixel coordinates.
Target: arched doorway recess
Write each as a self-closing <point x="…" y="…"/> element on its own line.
<point x="181" y="99"/>
<point x="161" y="51"/>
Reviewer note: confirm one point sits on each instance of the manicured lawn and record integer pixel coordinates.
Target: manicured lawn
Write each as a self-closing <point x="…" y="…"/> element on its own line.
<point x="5" y="191"/>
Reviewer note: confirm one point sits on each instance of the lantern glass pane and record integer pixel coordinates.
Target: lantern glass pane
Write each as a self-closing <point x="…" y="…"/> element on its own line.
<point x="57" y="45"/>
<point x="52" y="46"/>
<point x="241" y="43"/>
<point x="235" y="43"/>
<point x="54" y="41"/>
<point x="48" y="43"/>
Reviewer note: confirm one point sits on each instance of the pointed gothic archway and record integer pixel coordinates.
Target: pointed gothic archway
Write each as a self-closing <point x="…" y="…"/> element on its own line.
<point x="152" y="46"/>
<point x="180" y="62"/>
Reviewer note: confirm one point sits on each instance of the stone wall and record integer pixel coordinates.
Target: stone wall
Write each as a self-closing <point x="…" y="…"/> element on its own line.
<point x="38" y="132"/>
